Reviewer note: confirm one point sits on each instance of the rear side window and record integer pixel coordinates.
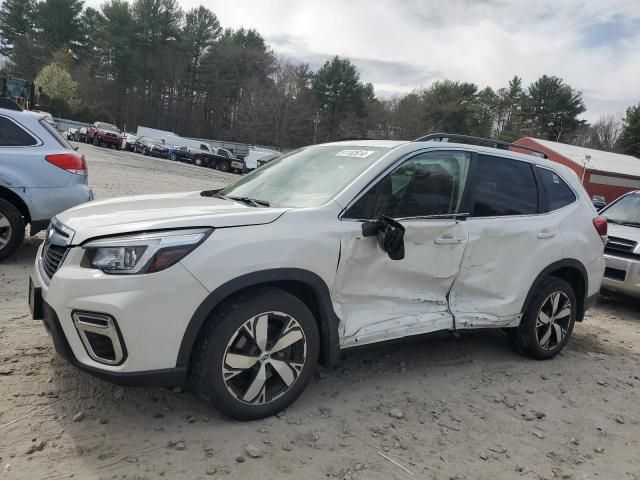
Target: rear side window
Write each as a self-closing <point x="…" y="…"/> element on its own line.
<point x="503" y="187"/>
<point x="557" y="192"/>
<point x="55" y="134"/>
<point x="12" y="135"/>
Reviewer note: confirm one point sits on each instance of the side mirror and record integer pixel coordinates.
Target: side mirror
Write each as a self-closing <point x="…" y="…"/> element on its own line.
<point x="390" y="236"/>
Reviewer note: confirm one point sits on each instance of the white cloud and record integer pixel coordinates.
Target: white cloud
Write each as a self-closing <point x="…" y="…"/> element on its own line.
<point x="593" y="45"/>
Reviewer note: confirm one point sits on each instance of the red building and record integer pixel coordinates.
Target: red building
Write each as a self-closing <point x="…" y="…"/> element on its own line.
<point x="604" y="173"/>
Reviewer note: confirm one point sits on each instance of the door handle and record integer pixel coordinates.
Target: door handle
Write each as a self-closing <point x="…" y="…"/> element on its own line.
<point x="546" y="234"/>
<point x="447" y="240"/>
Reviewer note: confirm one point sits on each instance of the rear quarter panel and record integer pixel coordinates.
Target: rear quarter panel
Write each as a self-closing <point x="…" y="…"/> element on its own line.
<point x="580" y="239"/>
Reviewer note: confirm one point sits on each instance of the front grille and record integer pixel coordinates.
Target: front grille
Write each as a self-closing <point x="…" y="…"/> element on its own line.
<point x="615" y="274"/>
<point x="621" y="247"/>
<point x="55" y="248"/>
<point x="52" y="258"/>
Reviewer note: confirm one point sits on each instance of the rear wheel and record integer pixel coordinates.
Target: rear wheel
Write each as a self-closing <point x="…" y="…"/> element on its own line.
<point x="257" y="354"/>
<point x="197" y="161"/>
<point x="11" y="229"/>
<point x="224" y="166"/>
<point x="548" y="321"/>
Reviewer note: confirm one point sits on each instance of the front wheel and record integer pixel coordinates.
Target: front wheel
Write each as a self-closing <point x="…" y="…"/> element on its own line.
<point x="224" y="166"/>
<point x="257" y="354"/>
<point x="548" y="322"/>
<point x="11" y="229"/>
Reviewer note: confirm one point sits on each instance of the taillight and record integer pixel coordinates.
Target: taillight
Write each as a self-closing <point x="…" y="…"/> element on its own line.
<point x="71" y="162"/>
<point x="601" y="227"/>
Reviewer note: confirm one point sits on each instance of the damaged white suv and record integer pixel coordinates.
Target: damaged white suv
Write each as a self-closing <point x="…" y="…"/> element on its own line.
<point x="238" y="293"/>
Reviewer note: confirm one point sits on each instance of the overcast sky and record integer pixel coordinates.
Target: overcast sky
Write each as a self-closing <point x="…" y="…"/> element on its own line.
<point x="405" y="44"/>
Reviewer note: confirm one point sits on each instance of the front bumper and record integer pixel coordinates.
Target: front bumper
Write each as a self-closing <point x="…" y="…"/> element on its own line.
<point x="152" y="312"/>
<point x="110" y="140"/>
<point x="622" y="275"/>
<point x="159" y="153"/>
<point x="168" y="377"/>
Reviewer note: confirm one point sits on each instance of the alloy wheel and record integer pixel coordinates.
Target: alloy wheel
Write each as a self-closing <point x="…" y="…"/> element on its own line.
<point x="554" y="318"/>
<point x="5" y="231"/>
<point x="264" y="358"/>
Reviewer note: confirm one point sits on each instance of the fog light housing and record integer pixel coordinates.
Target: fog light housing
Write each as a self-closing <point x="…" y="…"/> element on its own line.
<point x="100" y="336"/>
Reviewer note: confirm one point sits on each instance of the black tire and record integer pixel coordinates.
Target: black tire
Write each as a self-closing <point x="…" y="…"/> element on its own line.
<point x="226" y="326"/>
<point x="11" y="236"/>
<point x="173" y="157"/>
<point x="96" y="142"/>
<point x="528" y="338"/>
<point x="197" y="161"/>
<point x="224" y="166"/>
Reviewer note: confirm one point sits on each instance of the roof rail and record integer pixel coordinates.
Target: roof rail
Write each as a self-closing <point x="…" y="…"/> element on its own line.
<point x="440" y="137"/>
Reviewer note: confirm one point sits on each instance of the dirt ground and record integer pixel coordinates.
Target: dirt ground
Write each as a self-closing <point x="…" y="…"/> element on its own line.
<point x="436" y="407"/>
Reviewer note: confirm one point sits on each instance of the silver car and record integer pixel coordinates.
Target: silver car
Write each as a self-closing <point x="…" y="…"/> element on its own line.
<point x="41" y="175"/>
<point x="622" y="252"/>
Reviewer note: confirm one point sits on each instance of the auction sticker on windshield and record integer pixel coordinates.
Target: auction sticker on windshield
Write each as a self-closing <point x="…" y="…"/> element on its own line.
<point x="355" y="153"/>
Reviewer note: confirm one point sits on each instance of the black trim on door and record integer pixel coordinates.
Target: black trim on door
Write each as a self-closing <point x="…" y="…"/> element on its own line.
<point x="543" y="206"/>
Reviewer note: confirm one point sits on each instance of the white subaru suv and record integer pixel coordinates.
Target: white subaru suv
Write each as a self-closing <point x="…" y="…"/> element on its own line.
<point x="239" y="293"/>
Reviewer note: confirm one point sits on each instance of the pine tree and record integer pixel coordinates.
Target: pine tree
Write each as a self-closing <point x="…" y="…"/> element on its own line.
<point x="16" y="22"/>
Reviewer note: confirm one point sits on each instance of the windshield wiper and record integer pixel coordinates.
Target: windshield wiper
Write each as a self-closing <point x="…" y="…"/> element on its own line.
<point x="622" y="222"/>
<point x="254" y="202"/>
<point x="211" y="193"/>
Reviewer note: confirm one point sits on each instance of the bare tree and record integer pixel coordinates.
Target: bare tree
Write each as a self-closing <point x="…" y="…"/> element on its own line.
<point x="606" y="131"/>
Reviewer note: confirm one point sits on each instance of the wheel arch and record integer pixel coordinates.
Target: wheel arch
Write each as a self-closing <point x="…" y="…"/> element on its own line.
<point x="571" y="270"/>
<point x="305" y="285"/>
<point x="17" y="201"/>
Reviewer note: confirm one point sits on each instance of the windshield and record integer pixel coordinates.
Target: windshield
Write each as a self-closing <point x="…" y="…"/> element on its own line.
<point x="624" y="211"/>
<point x="154" y="141"/>
<point x="107" y="126"/>
<point x="308" y="177"/>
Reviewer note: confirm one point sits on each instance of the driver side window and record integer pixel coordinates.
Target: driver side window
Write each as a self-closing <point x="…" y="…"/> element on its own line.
<point x="430" y="183"/>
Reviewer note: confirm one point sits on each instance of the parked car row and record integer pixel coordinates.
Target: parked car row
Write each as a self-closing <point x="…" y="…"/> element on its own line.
<point x="179" y="149"/>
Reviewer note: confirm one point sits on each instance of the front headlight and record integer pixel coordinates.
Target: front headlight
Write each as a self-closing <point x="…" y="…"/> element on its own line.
<point x="144" y="253"/>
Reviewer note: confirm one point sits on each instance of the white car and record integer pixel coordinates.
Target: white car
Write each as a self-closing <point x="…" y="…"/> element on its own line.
<point x="341" y="244"/>
<point x="622" y="252"/>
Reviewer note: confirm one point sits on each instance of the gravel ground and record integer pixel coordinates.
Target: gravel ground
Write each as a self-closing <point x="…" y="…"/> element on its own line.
<point x="436" y="407"/>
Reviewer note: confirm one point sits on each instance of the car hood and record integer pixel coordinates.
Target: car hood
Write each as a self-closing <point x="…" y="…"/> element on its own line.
<point x="157" y="212"/>
<point x="623" y="231"/>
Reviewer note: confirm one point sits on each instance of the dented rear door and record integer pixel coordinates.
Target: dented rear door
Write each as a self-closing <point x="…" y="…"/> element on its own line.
<point x="511" y="240"/>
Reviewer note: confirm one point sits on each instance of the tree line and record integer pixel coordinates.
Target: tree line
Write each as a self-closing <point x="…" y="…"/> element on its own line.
<point x="148" y="62"/>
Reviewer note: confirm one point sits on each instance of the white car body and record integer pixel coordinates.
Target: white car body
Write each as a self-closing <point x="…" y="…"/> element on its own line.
<point x="622" y="252"/>
<point x="251" y="160"/>
<point x="458" y="273"/>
